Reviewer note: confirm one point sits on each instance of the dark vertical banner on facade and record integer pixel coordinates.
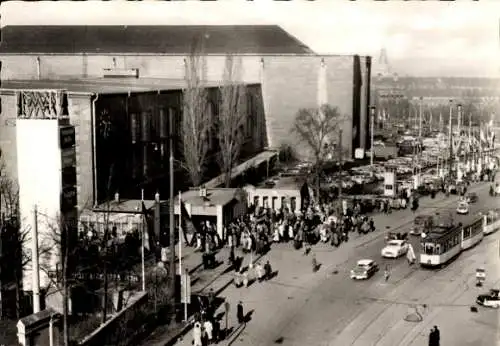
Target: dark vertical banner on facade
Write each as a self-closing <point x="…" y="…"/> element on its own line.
<point x="67" y="143"/>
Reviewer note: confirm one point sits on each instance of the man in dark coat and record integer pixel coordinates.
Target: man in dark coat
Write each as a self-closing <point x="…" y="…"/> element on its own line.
<point x="239" y="313"/>
<point x="437" y="336"/>
<point x="432" y="337"/>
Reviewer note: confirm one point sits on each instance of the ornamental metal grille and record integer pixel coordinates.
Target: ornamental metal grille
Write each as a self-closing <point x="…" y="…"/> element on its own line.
<point x="42" y="104"/>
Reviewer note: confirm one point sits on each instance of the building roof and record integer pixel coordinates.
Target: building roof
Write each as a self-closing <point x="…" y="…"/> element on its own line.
<point x="101" y="85"/>
<point x="219" y="196"/>
<point x="169" y="39"/>
<point x="243" y="167"/>
<point x="284" y="183"/>
<point x="132" y="206"/>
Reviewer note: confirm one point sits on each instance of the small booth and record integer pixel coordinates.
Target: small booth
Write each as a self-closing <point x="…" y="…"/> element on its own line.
<point x="280" y="192"/>
<point x="126" y="216"/>
<point x="40" y="329"/>
<point x="218" y="205"/>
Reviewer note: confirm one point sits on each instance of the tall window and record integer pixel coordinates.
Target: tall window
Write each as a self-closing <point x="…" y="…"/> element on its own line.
<point x="211" y="117"/>
<point x="249" y="120"/>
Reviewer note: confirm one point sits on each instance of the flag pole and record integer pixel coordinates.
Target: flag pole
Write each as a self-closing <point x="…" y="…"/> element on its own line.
<point x="180" y="233"/>
<point x="143" y="265"/>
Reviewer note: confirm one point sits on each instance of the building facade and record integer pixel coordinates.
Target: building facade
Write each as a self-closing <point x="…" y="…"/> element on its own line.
<point x="290" y="74"/>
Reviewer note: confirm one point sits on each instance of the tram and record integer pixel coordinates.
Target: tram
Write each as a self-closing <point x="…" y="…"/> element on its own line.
<point x="491" y="222"/>
<point x="446" y="240"/>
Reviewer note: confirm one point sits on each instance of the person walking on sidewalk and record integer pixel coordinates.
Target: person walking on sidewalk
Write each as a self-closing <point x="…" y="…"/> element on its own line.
<point x="239" y="313"/>
<point x="197" y="334"/>
<point x="209" y="330"/>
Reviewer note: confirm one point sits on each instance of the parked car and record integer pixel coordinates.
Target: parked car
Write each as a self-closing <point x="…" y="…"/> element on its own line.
<point x="364" y="269"/>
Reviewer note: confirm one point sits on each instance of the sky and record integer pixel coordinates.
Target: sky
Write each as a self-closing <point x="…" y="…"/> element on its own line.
<point x="431" y="38"/>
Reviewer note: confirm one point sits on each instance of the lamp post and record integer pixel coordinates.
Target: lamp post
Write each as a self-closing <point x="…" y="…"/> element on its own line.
<point x="372" y="128"/>
<point x="450" y="139"/>
<point x="171" y="201"/>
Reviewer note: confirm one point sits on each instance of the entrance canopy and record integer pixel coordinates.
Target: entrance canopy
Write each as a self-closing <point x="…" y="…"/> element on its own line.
<point x="255" y="161"/>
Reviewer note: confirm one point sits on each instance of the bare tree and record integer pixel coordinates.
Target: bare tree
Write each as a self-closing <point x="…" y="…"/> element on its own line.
<point x="196" y="119"/>
<point x="231" y="118"/>
<point x="59" y="235"/>
<point x="317" y="127"/>
<point x="12" y="237"/>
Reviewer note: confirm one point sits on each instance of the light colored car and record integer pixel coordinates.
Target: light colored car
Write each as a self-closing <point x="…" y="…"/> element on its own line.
<point x="490" y="300"/>
<point x="364" y="269"/>
<point x="395" y="249"/>
<point x="463" y="208"/>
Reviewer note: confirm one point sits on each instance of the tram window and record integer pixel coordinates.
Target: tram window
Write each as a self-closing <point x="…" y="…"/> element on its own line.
<point x="283" y="202"/>
<point x="429" y="248"/>
<point x="437" y="251"/>
<point x="256" y="201"/>
<point x="467" y="232"/>
<point x="293" y="203"/>
<point x="265" y="202"/>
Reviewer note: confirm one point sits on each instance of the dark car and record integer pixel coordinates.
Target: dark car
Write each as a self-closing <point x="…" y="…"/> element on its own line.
<point x="472" y="197"/>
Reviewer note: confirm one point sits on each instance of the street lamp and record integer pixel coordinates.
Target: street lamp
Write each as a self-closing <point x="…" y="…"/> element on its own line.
<point x="459" y="106"/>
<point x="372" y="126"/>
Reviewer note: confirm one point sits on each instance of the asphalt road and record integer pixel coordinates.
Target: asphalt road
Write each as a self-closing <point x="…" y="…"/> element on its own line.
<point x="300" y="307"/>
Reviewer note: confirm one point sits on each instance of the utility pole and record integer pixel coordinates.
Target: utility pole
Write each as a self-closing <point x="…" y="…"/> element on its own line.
<point x="372" y="129"/>
<point x="419" y="135"/>
<point x="450" y="138"/>
<point x="35" y="271"/>
<point x="171" y="202"/>
<point x="341" y="157"/>
<point x="420" y="119"/>
<point x="459" y="120"/>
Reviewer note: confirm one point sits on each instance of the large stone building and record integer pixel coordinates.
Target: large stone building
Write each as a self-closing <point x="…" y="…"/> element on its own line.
<point x="80" y="61"/>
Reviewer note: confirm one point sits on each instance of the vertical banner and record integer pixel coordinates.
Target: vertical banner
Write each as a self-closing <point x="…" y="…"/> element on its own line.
<point x="185" y="288"/>
<point x="67" y="143"/>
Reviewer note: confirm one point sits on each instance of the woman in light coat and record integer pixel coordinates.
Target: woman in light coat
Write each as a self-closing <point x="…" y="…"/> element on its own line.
<point x="197" y="334"/>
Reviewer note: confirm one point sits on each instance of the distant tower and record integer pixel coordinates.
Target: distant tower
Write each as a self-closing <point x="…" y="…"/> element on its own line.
<point x="382" y="69"/>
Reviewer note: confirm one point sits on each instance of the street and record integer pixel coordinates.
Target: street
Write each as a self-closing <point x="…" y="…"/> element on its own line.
<point x="300" y="307"/>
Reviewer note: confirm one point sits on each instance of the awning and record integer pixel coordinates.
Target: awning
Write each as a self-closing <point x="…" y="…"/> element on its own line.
<point x="253" y="162"/>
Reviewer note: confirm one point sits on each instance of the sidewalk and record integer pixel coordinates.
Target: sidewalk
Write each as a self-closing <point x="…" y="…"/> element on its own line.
<point x="201" y="281"/>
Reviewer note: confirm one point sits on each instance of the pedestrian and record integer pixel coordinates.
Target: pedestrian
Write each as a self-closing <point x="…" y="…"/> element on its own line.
<point x="387" y="273"/>
<point x="314" y="264"/>
<point x="208" y="330"/>
<point x="437" y="336"/>
<point x="432" y="337"/>
<point x="197" y="334"/>
<point x="268" y="270"/>
<point x="216" y="331"/>
<point x="239" y="313"/>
